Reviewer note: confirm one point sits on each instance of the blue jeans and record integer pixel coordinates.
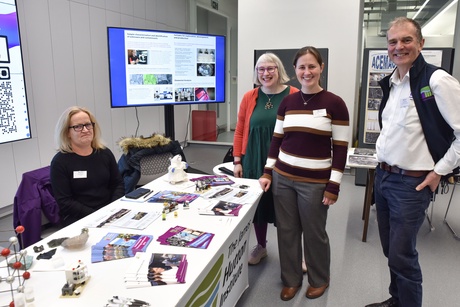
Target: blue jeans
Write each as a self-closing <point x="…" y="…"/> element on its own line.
<point x="400" y="214"/>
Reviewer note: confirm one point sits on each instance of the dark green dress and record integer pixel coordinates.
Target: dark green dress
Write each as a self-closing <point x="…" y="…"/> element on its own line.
<point x="261" y="126"/>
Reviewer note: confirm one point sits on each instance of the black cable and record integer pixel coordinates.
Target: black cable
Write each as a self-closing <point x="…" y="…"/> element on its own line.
<point x="188" y="123"/>
<point x="138" y="123"/>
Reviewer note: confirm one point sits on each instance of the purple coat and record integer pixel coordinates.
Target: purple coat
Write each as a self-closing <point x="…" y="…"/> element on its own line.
<point x="34" y="196"/>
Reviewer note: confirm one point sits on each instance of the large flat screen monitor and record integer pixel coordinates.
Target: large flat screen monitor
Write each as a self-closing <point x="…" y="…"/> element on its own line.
<point x="153" y="68"/>
<point x="14" y="114"/>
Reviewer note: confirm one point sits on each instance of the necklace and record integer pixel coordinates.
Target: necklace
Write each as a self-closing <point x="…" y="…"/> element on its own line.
<point x="306" y="102"/>
<point x="269" y="104"/>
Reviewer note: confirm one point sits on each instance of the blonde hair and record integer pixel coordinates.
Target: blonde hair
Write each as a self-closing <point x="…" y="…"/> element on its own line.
<point x="271" y="57"/>
<point x="63" y="126"/>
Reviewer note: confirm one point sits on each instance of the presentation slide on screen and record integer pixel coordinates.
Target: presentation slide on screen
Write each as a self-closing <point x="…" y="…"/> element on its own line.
<point x="163" y="67"/>
<point x="14" y="117"/>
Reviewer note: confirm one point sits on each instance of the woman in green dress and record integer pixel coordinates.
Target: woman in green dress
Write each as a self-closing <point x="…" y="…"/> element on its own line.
<point x="254" y="130"/>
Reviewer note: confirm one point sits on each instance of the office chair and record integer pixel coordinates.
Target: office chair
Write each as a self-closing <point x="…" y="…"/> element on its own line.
<point x="154" y="166"/>
<point x="143" y="162"/>
<point x="34" y="205"/>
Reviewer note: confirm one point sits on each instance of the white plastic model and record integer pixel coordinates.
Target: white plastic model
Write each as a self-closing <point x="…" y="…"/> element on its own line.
<point x="77" y="274"/>
<point x="176" y="171"/>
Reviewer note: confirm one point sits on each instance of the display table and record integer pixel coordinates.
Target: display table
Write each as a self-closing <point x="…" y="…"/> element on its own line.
<point x="364" y="158"/>
<point x="215" y="276"/>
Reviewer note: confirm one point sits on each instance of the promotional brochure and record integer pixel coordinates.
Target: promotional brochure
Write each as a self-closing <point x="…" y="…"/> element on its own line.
<point x="186" y="237"/>
<point x="169" y="196"/>
<point x="214" y="180"/>
<point x="115" y="246"/>
<point x="156" y="269"/>
<point x="126" y="218"/>
<point x="221" y="208"/>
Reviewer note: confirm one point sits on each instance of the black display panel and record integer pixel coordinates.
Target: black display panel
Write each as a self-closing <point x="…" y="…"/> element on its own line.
<point x="153" y="68"/>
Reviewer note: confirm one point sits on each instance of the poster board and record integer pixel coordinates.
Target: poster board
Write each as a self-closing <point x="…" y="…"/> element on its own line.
<point x="287" y="56"/>
<point x="377" y="65"/>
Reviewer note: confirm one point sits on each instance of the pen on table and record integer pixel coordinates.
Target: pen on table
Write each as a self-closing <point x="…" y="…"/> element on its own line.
<point x="125" y="303"/>
<point x="148" y="194"/>
<point x="126" y="299"/>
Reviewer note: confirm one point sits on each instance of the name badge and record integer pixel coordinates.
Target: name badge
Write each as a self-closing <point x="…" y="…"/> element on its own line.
<point x="79" y="174"/>
<point x="404" y="103"/>
<point x="319" y="113"/>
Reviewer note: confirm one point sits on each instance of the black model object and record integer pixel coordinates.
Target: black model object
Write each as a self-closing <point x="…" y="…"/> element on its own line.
<point x="225" y="170"/>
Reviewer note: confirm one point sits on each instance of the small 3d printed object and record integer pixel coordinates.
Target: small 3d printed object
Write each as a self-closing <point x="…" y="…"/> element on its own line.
<point x="77" y="241"/>
<point x="176" y="171"/>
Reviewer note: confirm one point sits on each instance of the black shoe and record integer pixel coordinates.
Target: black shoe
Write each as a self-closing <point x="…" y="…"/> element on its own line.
<point x="391" y="302"/>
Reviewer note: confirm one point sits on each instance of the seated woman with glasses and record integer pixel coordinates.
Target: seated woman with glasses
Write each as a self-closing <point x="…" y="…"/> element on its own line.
<point x="84" y="173"/>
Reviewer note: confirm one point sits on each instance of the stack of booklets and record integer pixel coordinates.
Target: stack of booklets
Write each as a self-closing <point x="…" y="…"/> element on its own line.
<point x="214" y="180"/>
<point x="222" y="208"/>
<point x="115" y="246"/>
<point x="186" y="237"/>
<point x="179" y="197"/>
<point x="156" y="269"/>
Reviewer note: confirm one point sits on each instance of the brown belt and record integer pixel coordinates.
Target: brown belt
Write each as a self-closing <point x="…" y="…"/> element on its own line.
<point x="397" y="170"/>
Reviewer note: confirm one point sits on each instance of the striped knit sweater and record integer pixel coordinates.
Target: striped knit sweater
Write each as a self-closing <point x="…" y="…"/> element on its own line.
<point x="303" y="138"/>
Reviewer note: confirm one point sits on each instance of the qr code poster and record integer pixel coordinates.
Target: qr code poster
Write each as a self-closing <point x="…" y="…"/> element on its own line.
<point x="14" y="116"/>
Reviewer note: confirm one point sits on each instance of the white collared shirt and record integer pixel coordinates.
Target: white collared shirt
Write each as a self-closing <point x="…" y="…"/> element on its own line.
<point x="402" y="142"/>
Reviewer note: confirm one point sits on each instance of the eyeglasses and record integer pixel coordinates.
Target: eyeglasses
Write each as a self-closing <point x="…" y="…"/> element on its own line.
<point x="269" y="69"/>
<point x="79" y="128"/>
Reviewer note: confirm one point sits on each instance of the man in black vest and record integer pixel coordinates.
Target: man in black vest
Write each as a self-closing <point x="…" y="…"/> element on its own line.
<point x="418" y="144"/>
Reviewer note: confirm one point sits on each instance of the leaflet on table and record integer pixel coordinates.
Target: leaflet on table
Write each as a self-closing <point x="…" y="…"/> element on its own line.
<point x="156" y="269"/>
<point x="214" y="180"/>
<point x="179" y="197"/>
<point x="126" y="218"/>
<point x="186" y="237"/>
<point x="221" y="208"/>
<point x="233" y="195"/>
<point x="118" y="246"/>
<point x="362" y="157"/>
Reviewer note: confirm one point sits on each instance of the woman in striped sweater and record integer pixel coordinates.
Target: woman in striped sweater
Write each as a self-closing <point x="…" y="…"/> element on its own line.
<point x="304" y="166"/>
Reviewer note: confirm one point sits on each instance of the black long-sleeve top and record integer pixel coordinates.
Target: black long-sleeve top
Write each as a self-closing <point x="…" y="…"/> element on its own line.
<point x="84" y="184"/>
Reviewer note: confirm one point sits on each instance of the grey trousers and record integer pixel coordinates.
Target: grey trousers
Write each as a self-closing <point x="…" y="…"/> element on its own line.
<point x="299" y="210"/>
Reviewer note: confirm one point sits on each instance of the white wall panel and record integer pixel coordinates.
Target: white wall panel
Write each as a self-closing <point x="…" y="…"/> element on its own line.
<point x="64" y="44"/>
<point x="100" y="72"/>
<point x="81" y="33"/>
<point x="150" y="7"/>
<point x="176" y="9"/>
<point x="139" y="8"/>
<point x="10" y="178"/>
<point x="99" y="3"/>
<point x="113" y="19"/>
<point x="42" y="88"/>
<point x="113" y="5"/>
<point x="62" y="54"/>
<point x="127" y="7"/>
<point x="309" y="25"/>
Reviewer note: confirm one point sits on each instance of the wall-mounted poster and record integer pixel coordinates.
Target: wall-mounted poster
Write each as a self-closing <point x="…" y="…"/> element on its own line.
<point x="287" y="56"/>
<point x="14" y="114"/>
<point x="377" y="65"/>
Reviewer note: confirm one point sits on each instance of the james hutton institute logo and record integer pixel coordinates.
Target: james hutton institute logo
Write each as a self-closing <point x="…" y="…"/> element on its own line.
<point x="426" y="93"/>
